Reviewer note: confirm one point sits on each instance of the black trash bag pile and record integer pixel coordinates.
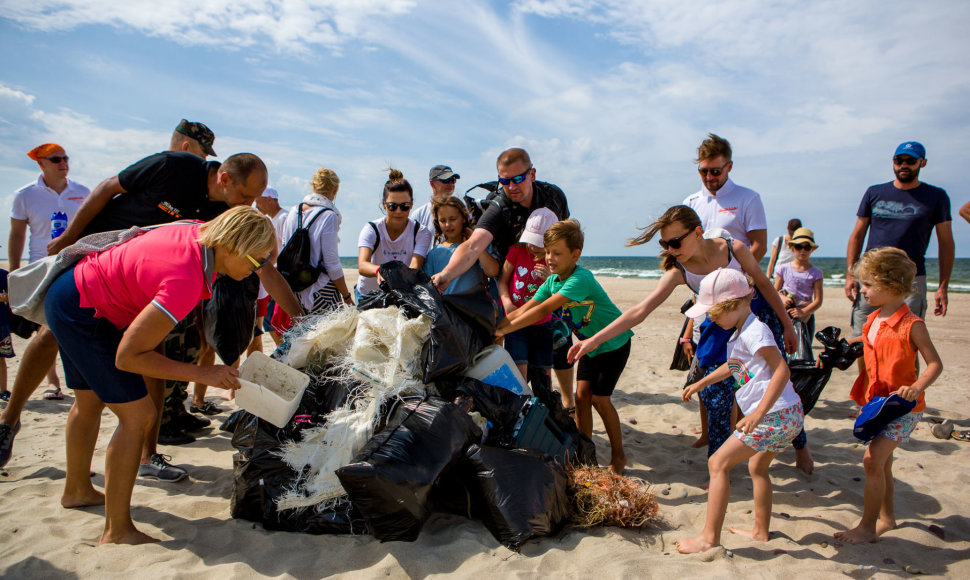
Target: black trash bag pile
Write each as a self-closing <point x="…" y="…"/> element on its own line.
<point x="261" y="477"/>
<point x="230" y="316"/>
<point x="427" y="454"/>
<point x="391" y="478"/>
<point x="462" y="325"/>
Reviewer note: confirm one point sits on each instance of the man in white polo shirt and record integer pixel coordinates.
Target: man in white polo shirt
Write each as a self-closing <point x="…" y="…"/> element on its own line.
<point x="33" y="207"/>
<point x="721" y="203"/>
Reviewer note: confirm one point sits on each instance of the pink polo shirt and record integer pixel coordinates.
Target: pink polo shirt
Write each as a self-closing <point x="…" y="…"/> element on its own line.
<point x="164" y="267"/>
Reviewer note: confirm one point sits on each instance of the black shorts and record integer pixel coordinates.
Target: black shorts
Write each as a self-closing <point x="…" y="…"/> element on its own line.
<point x="559" y="360"/>
<point x="603" y="370"/>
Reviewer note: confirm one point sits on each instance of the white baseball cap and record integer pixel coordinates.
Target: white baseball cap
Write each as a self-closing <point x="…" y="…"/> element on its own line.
<point x="536" y="226"/>
<point x="271" y="193"/>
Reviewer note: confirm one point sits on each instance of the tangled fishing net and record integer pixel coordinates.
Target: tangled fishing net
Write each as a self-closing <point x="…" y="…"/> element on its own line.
<point x="603" y="498"/>
<point x="380" y="350"/>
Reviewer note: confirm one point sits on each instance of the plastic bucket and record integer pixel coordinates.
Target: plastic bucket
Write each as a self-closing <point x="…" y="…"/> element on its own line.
<point x="270" y="389"/>
<point x="494" y="366"/>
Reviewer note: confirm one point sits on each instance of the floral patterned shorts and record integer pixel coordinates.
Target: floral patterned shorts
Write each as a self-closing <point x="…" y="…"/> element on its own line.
<point x="776" y="430"/>
<point x="900" y="429"/>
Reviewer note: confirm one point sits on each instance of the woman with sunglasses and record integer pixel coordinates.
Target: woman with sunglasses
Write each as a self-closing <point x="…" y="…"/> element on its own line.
<point x="688" y="256"/>
<point x="109" y="312"/>
<point x="395" y="237"/>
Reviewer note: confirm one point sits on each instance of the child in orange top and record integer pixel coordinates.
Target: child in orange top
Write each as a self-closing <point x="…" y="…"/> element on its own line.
<point x="892" y="336"/>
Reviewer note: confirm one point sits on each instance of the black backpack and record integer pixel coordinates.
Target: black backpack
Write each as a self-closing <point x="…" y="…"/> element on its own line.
<point x="377" y="232"/>
<point x="294" y="260"/>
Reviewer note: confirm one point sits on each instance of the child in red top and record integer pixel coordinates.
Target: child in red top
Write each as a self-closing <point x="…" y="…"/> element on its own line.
<point x="891" y="336"/>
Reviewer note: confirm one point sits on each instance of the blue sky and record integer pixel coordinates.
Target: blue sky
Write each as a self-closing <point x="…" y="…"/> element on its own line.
<point x="611" y="97"/>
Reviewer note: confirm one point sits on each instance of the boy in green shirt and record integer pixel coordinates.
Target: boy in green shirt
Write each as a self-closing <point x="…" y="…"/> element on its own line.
<point x="586" y="309"/>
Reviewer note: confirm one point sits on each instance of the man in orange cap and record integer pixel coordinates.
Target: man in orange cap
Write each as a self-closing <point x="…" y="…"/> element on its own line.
<point x="34" y="206"/>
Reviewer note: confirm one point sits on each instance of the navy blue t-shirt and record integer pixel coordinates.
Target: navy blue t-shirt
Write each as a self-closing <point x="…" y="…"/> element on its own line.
<point x="904" y="218"/>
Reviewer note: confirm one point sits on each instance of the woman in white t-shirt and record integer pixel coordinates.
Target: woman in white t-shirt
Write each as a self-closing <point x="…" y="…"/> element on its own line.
<point x="780" y="252"/>
<point x="772" y="410"/>
<point x="394" y="237"/>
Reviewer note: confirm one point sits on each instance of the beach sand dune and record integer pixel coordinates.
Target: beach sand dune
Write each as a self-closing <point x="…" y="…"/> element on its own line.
<point x="40" y="539"/>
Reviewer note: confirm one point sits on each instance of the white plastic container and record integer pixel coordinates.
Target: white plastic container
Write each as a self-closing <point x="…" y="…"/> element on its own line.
<point x="493" y="365"/>
<point x="270" y="389"/>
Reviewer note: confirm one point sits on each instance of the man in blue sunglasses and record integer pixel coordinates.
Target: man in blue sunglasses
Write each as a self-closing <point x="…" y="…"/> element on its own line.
<point x="504" y="219"/>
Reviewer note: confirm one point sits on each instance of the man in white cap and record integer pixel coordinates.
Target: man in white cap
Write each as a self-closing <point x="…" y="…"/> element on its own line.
<point x="442" y="180"/>
<point x="269" y="204"/>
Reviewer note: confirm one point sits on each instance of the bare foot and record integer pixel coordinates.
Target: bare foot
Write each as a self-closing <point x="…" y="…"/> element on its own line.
<point x="854" y="413"/>
<point x="699" y="442"/>
<point x="857" y="535"/>
<point x="618" y="464"/>
<point x="694" y="545"/>
<point x="94" y="497"/>
<point x="754" y="535"/>
<point x="132" y="536"/>
<point x="883" y="526"/>
<point x="804" y="460"/>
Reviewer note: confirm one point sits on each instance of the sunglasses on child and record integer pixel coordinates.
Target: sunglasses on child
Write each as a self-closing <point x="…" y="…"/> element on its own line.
<point x="516" y="179"/>
<point x="802" y="247"/>
<point x="257" y="264"/>
<point x="391" y="206"/>
<point x="673" y="242"/>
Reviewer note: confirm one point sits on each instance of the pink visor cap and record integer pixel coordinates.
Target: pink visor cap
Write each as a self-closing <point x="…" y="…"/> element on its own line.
<point x="720" y="285"/>
<point x="536" y="226"/>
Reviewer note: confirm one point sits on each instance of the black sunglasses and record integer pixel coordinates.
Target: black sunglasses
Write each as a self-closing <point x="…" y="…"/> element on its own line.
<point x="802" y="247"/>
<point x="451" y="179"/>
<point x="901" y="160"/>
<point x="391" y="206"/>
<point x="516" y="179"/>
<point x="716" y="172"/>
<point x="57" y="159"/>
<point x="673" y="242"/>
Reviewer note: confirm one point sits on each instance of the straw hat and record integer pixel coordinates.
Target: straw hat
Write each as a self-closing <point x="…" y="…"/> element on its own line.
<point x="802" y="236"/>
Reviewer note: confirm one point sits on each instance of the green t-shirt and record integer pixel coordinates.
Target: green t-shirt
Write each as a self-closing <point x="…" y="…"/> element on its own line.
<point x="589" y="309"/>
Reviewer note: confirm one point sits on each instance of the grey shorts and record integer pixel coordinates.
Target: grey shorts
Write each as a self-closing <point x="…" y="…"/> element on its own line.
<point x="916" y="302"/>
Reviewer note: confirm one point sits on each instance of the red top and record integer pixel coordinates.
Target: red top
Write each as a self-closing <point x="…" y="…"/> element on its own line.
<point x="525" y="279"/>
<point x="165" y="267"/>
<point x="890" y="361"/>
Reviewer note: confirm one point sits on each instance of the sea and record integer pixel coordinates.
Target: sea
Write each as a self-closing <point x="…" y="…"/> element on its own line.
<point x="832" y="268"/>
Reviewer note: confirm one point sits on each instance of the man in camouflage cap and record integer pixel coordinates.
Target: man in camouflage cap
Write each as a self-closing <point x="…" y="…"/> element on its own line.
<point x="193" y="138"/>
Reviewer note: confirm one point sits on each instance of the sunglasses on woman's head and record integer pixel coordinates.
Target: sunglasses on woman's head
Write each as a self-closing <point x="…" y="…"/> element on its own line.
<point x="391" y="206"/>
<point x="673" y="242"/>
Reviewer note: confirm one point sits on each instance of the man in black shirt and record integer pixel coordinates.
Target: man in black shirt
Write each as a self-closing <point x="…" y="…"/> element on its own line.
<point x="504" y="219"/>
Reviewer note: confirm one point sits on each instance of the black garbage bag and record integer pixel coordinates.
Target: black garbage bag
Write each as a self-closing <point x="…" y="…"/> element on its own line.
<point x="257" y="469"/>
<point x="838" y="352"/>
<point x="390" y="480"/>
<point x="680" y="361"/>
<point x="230" y="316"/>
<point x="803" y="341"/>
<point x="523" y="493"/>
<point x="500" y="406"/>
<point x="808" y="381"/>
<point x="21" y="326"/>
<point x="541" y="384"/>
<point x="457" y="330"/>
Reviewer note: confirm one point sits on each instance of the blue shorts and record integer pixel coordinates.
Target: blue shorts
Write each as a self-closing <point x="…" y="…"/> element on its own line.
<point x="88" y="346"/>
<point x="531" y="345"/>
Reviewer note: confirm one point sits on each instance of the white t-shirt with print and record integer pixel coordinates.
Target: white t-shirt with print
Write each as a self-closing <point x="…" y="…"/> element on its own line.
<point x="400" y="249"/>
<point x="35" y="202"/>
<point x="736" y="209"/>
<point x="751" y="371"/>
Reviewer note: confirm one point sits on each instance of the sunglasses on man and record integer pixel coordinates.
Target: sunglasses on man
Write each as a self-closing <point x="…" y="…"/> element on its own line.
<point x="450" y="180"/>
<point x="715" y="171"/>
<point x="516" y="179"/>
<point x="905" y="160"/>
<point x="55" y="159"/>
<point x="673" y="242"/>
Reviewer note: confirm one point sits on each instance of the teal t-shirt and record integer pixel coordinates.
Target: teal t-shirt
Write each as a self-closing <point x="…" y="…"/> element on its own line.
<point x="589" y="309"/>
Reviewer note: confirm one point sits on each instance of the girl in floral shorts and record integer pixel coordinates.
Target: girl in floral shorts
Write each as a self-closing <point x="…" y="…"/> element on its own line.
<point x="772" y="410"/>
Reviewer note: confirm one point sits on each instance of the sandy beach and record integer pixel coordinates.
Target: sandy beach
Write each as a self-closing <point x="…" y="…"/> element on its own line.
<point x="40" y="539"/>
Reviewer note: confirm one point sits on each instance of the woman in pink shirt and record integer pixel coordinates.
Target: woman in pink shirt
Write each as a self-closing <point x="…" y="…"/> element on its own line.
<point x="109" y="313"/>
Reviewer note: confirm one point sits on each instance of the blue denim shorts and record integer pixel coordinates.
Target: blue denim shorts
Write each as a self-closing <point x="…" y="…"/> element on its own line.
<point x="88" y="346"/>
<point x="531" y="345"/>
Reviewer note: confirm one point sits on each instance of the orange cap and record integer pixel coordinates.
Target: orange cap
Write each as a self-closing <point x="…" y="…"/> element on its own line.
<point x="43" y="150"/>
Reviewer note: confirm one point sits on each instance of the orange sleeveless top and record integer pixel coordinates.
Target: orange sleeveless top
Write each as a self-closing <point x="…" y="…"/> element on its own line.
<point x="890" y="360"/>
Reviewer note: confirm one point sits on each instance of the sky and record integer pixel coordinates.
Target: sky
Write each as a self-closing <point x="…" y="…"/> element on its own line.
<point x="610" y="97"/>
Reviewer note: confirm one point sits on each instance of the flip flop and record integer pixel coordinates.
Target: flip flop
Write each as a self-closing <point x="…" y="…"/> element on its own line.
<point x="961" y="436"/>
<point x="53" y="395"/>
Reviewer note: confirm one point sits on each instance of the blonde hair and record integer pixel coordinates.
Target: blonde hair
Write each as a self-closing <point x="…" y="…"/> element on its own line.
<point x="325" y="182"/>
<point x="889" y="269"/>
<point x="567" y="230"/>
<point x="239" y="230"/>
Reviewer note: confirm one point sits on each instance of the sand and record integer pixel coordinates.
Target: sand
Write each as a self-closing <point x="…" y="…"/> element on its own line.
<point x="41" y="539"/>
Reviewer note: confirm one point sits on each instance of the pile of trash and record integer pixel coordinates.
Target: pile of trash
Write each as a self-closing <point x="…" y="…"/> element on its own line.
<point x="390" y="430"/>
